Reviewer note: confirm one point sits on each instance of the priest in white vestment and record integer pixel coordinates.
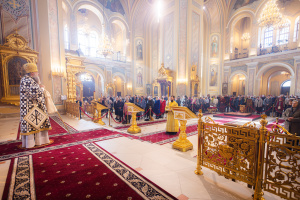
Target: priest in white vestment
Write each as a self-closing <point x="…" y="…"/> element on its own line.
<point x="34" y="119"/>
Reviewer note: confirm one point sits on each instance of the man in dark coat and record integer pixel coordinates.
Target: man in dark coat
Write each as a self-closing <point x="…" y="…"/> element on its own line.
<point x="156" y="107"/>
<point x="120" y="105"/>
<point x="148" y="105"/>
<point x="294" y="118"/>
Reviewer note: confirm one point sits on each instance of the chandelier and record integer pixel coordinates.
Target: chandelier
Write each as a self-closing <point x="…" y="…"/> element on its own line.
<point x="105" y="46"/>
<point x="245" y="36"/>
<point x="271" y="16"/>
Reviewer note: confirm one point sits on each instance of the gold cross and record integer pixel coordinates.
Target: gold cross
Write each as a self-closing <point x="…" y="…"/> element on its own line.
<point x="14" y="3"/>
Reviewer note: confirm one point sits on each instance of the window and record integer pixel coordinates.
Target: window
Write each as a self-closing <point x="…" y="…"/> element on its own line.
<point x="286" y="83"/>
<point x="88" y="43"/>
<point x="296" y="29"/>
<point x="66" y="37"/>
<point x="283" y="35"/>
<point x="93" y="40"/>
<point x="268" y="37"/>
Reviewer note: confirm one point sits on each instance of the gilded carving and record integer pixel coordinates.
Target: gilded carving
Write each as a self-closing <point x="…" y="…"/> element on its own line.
<point x="15" y="47"/>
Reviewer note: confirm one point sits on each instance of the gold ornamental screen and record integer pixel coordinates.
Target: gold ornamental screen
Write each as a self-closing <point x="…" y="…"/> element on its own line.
<point x="267" y="160"/>
<point x="230" y="151"/>
<point x="282" y="167"/>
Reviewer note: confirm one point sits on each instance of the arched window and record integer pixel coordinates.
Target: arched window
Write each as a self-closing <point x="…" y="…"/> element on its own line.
<point x="283" y="35"/>
<point x="268" y="37"/>
<point x="93" y="41"/>
<point x="83" y="42"/>
<point x="88" y="42"/>
<point x="66" y="37"/>
<point x="286" y="83"/>
<point x="296" y="29"/>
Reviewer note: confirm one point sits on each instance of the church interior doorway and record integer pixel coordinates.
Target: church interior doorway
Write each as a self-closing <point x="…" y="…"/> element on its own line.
<point x="119" y="85"/>
<point x="238" y="85"/>
<point x="285" y="87"/>
<point x="88" y="85"/>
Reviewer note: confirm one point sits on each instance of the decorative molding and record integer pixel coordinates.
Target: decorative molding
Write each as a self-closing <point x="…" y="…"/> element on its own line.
<point x="196" y="5"/>
<point x="290" y="62"/>
<point x="252" y="64"/>
<point x="117" y="69"/>
<point x="16" y="8"/>
<point x="242" y="68"/>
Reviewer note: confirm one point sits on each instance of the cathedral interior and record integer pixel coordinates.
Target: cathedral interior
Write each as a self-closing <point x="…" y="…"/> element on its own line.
<point x="100" y="58"/>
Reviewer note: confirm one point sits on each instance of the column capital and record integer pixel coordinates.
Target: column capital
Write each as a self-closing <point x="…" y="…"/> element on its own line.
<point x="297" y="59"/>
<point x="108" y="68"/>
<point x="226" y="68"/>
<point x="252" y="64"/>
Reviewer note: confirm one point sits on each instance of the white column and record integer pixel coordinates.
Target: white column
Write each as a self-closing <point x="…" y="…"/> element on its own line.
<point x="251" y="78"/>
<point x="73" y="32"/>
<point x="44" y="44"/>
<point x="295" y="81"/>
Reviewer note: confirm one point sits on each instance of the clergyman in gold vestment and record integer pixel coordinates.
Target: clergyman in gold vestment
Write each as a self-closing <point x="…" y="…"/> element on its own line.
<point x="172" y="124"/>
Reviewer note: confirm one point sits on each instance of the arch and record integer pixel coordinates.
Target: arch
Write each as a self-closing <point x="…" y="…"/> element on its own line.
<point x="121" y="22"/>
<point x="239" y="15"/>
<point x="265" y="68"/>
<point x="119" y="37"/>
<point x="96" y="9"/>
<point x="96" y="69"/>
<point x="234" y="20"/>
<point x="238" y="72"/>
<point x="284" y="82"/>
<point x="234" y="74"/>
<point x="119" y="75"/>
<point x="275" y="64"/>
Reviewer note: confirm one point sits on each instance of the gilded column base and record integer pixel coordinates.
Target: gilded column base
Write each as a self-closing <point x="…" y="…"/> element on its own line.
<point x="198" y="172"/>
<point x="100" y="122"/>
<point x="134" y="129"/>
<point x="182" y="145"/>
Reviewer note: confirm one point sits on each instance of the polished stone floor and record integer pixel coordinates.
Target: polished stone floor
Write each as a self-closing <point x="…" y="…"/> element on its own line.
<point x="170" y="169"/>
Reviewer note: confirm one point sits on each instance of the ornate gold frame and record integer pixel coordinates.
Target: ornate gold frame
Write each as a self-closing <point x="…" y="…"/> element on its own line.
<point x="112" y="86"/>
<point x="15" y="46"/>
<point x="74" y="66"/>
<point x="163" y="75"/>
<point x="193" y="83"/>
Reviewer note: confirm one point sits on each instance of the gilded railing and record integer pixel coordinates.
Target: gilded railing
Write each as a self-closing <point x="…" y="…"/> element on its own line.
<point x="282" y="166"/>
<point x="269" y="161"/>
<point x="90" y="108"/>
<point x="73" y="109"/>
<point x="230" y="151"/>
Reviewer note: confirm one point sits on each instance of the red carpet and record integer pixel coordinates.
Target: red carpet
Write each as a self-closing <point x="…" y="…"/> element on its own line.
<point x="142" y="124"/>
<point x="280" y="122"/>
<point x="9" y="149"/>
<point x="162" y="138"/>
<point x="78" y="172"/>
<point x="56" y="128"/>
<point x="252" y="117"/>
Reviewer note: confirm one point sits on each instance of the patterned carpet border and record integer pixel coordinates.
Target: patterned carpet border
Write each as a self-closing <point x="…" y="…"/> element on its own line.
<point x="58" y="120"/>
<point x="137" y="182"/>
<point x="5" y="157"/>
<point x="22" y="179"/>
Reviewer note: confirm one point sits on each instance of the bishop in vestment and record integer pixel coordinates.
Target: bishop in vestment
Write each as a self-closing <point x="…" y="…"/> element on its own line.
<point x="34" y="118"/>
<point x="172" y="124"/>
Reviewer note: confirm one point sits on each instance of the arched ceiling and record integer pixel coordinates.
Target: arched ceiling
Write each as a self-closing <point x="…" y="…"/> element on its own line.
<point x="113" y="5"/>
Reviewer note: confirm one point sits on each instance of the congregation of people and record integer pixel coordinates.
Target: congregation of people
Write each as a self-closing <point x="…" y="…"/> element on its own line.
<point x="276" y="106"/>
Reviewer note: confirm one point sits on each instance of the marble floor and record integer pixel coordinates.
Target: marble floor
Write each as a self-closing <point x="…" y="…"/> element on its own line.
<point x="170" y="169"/>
